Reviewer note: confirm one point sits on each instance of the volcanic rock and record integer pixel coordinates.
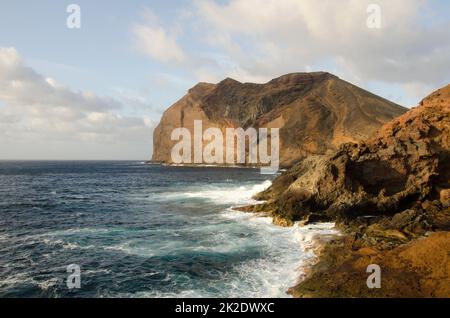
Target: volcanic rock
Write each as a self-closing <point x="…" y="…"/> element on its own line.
<point x="316" y="112"/>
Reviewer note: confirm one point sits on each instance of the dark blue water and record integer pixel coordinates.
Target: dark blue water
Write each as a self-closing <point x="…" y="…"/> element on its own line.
<point x="139" y="230"/>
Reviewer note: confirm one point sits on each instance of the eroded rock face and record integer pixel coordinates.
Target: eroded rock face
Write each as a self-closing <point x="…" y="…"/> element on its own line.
<point x="405" y="165"/>
<point x="316" y="112"/>
<point x="390" y="197"/>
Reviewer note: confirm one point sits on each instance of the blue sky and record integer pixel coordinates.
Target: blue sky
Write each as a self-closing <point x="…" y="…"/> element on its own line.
<point x="138" y="57"/>
<point x="98" y="56"/>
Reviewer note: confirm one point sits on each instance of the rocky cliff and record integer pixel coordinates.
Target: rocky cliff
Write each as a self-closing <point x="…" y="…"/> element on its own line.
<point x="316" y="112"/>
<point x="388" y="194"/>
<point x="405" y="163"/>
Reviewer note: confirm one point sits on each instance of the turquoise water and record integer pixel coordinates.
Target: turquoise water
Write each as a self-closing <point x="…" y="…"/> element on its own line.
<point x="141" y="230"/>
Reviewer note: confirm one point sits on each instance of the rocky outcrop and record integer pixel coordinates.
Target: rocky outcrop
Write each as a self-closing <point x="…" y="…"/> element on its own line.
<point x="420" y="268"/>
<point x="390" y="197"/>
<point x="316" y="112"/>
<point x="406" y="165"/>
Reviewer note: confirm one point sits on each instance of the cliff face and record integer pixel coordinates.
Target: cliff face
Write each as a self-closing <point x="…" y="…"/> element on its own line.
<point x="316" y="112"/>
<point x="405" y="163"/>
<point x="388" y="195"/>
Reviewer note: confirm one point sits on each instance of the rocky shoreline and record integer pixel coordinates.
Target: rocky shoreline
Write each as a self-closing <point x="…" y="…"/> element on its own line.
<point x="408" y="270"/>
<point x="390" y="197"/>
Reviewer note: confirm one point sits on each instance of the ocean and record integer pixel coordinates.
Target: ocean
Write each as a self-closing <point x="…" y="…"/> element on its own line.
<point x="139" y="230"/>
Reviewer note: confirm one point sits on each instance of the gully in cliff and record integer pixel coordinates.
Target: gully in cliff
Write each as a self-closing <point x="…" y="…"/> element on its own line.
<point x="235" y="139"/>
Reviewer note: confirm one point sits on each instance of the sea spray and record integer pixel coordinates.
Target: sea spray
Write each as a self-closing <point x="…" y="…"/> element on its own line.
<point x="143" y="231"/>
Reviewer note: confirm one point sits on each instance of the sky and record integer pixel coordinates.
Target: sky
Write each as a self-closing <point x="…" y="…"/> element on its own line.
<point x="97" y="92"/>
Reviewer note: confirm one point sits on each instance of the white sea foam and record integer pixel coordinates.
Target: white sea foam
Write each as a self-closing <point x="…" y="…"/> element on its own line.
<point x="222" y="195"/>
<point x="96" y="271"/>
<point x="82" y="230"/>
<point x="64" y="244"/>
<point x="27" y="278"/>
<point x="14" y="279"/>
<point x="287" y="254"/>
<point x="4" y="237"/>
<point x="46" y="284"/>
<point x="129" y="248"/>
<point x="287" y="251"/>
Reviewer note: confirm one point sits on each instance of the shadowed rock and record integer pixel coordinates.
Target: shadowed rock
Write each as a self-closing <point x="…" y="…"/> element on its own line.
<point x="389" y="196"/>
<point x="403" y="166"/>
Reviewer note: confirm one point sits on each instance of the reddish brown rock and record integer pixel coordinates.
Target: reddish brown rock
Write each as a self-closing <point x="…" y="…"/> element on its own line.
<point x="445" y="197"/>
<point x="403" y="166"/>
<point x="388" y="195"/>
<point x="316" y="112"/>
<point x="420" y="268"/>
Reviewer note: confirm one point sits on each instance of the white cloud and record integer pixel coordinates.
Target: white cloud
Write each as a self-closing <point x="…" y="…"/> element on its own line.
<point x="267" y="38"/>
<point x="45" y="118"/>
<point x="256" y="40"/>
<point x="153" y="40"/>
